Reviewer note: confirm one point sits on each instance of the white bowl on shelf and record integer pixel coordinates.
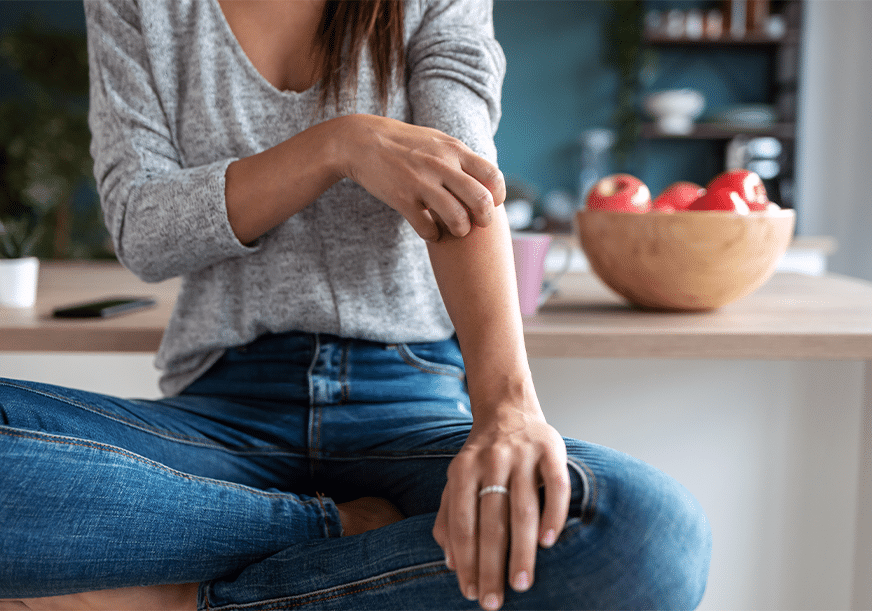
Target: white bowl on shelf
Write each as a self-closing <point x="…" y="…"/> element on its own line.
<point x="675" y="110"/>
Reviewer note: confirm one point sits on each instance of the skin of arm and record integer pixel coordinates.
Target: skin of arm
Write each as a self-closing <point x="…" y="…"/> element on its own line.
<point x="266" y="189"/>
<point x="510" y="443"/>
<point x="412" y="169"/>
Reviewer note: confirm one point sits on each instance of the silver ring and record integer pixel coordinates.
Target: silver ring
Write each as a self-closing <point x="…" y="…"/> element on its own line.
<point x="492" y="490"/>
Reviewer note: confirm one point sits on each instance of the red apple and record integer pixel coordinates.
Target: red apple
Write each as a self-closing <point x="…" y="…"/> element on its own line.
<point x="619" y="193"/>
<point x="677" y="196"/>
<point x="720" y="199"/>
<point x="746" y="183"/>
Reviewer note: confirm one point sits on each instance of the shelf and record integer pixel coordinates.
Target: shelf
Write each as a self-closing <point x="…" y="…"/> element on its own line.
<point x="749" y="41"/>
<point x="706" y="131"/>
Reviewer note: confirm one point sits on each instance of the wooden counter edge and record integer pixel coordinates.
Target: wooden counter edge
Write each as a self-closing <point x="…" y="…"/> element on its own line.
<point x="539" y="345"/>
<point x="701" y="346"/>
<point x="110" y="339"/>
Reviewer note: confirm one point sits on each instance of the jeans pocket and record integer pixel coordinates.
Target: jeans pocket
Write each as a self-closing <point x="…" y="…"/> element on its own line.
<point x="429" y="358"/>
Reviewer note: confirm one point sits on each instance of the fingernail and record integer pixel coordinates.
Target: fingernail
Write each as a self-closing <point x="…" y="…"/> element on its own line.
<point x="550" y="538"/>
<point x="491" y="601"/>
<point x="471" y="592"/>
<point x="522" y="582"/>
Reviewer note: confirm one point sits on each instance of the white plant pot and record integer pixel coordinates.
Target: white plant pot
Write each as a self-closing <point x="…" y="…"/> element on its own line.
<point x="18" y="282"/>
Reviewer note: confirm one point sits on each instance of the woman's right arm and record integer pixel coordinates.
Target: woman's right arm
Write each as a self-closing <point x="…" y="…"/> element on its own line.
<point x="167" y="220"/>
<point x="412" y="169"/>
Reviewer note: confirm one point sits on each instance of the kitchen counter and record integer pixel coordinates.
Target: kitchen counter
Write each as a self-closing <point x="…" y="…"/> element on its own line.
<point x="792" y="316"/>
<point x="64" y="283"/>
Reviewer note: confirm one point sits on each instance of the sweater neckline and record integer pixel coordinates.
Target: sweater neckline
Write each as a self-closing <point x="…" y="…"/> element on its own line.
<point x="242" y="56"/>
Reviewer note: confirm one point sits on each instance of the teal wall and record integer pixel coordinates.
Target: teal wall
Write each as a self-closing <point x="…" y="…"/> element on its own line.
<point x="557" y="85"/>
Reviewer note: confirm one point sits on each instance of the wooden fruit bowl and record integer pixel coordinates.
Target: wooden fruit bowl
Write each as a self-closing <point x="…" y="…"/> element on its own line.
<point x="687" y="261"/>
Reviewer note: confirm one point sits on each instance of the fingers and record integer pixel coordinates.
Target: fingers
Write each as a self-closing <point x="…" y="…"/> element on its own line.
<point x="440" y="530"/>
<point x="439" y="215"/>
<point x="492" y="539"/>
<point x="555" y="476"/>
<point x="493" y="548"/>
<point x="448" y="212"/>
<point x="479" y="186"/>
<point x="422" y="173"/>
<point x="426" y="223"/>
<point x="524" y="518"/>
<point x="481" y="530"/>
<point x="461" y="199"/>
<point x="487" y="175"/>
<point x="463" y="533"/>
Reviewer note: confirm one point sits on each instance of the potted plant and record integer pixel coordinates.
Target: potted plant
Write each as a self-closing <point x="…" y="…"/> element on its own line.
<point x="19" y="269"/>
<point x="48" y="207"/>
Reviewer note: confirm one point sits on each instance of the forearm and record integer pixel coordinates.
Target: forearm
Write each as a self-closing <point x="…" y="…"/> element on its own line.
<point x="264" y="190"/>
<point x="412" y="169"/>
<point x="489" y="539"/>
<point x="477" y="280"/>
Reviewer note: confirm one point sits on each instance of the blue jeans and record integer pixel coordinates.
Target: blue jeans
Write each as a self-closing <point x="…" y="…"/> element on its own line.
<point x="233" y="485"/>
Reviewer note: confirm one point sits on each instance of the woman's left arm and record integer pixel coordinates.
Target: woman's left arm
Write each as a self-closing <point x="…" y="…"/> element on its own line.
<point x="510" y="443"/>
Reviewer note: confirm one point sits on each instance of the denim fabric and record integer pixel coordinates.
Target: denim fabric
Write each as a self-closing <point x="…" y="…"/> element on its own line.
<point x="233" y="484"/>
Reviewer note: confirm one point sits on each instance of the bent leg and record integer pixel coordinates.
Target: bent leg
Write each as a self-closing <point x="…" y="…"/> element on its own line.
<point x="636" y="539"/>
<point x="642" y="543"/>
<point x="80" y="514"/>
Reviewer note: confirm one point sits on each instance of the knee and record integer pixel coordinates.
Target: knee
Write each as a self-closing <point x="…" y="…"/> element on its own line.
<point x="670" y="546"/>
<point x="642" y="542"/>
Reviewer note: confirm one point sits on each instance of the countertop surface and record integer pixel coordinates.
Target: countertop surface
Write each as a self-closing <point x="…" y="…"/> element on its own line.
<point x="792" y="316"/>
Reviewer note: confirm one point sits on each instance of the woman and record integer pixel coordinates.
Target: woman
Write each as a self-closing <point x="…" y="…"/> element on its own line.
<point x="322" y="175"/>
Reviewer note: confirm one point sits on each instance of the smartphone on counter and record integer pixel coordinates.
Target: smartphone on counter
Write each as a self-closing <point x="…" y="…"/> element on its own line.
<point x="104" y="308"/>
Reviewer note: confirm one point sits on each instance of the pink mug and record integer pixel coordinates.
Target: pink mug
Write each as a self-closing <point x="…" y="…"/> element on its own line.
<point x="530" y="251"/>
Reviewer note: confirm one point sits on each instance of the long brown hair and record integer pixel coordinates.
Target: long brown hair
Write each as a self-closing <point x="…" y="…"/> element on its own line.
<point x="345" y="26"/>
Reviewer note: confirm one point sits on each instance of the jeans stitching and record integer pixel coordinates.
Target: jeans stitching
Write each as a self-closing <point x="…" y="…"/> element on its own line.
<point x="315" y="451"/>
<point x="343" y="373"/>
<point x="313" y="414"/>
<point x="146" y="428"/>
<point x="322" y="595"/>
<point x="426" y="366"/>
<point x="93" y="445"/>
<point x="323" y="514"/>
<point x="395" y="455"/>
<point x="316" y="350"/>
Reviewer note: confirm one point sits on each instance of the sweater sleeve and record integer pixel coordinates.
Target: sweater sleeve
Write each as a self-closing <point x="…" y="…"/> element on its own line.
<point x="456" y="70"/>
<point x="165" y="219"/>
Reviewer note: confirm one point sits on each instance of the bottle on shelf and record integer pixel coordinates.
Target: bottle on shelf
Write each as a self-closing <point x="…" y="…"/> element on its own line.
<point x="737" y="18"/>
<point x="596" y="150"/>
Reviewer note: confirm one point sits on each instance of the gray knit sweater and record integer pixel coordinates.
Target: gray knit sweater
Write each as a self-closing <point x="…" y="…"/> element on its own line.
<point x="174" y="100"/>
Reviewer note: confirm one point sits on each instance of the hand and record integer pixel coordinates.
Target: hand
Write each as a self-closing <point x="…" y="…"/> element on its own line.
<point x="521" y="452"/>
<point x="435" y="181"/>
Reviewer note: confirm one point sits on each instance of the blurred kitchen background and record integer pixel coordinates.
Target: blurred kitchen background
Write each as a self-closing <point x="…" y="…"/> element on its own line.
<point x="779" y="86"/>
<point x="769" y="447"/>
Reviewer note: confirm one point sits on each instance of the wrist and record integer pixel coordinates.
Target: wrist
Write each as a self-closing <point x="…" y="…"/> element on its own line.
<point x="504" y="396"/>
<point x="347" y="134"/>
<point x="496" y="367"/>
<point x="265" y="189"/>
<point x="336" y="155"/>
